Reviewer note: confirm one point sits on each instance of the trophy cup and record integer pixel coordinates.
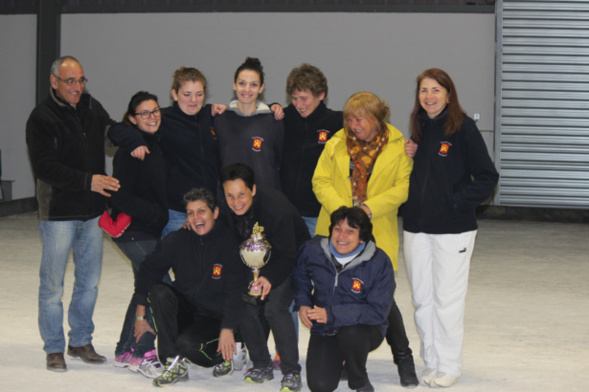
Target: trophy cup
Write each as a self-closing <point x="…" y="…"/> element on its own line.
<point x="255" y="253"/>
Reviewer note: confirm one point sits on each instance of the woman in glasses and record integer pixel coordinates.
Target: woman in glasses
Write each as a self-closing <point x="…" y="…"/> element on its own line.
<point x="187" y="140"/>
<point x="142" y="197"/>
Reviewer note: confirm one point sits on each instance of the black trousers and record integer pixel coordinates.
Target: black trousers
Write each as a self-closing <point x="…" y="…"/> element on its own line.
<point x="283" y="329"/>
<point x="396" y="335"/>
<point x="182" y="329"/>
<point x="326" y="356"/>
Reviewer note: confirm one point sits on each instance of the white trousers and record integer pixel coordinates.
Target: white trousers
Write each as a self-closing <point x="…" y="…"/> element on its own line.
<point x="438" y="266"/>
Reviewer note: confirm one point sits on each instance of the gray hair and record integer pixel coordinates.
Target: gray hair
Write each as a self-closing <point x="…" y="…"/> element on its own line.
<point x="59" y="62"/>
<point x="201" y="194"/>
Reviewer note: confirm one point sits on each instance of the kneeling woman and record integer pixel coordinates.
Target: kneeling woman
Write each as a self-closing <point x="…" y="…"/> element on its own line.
<point x="343" y="287"/>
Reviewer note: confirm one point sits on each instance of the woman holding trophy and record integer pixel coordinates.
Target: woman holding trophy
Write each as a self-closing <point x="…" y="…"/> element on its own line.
<point x="252" y="211"/>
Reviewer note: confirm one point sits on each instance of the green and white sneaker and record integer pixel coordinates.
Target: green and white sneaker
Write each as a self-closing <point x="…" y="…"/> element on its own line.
<point x="291" y="382"/>
<point x="259" y="375"/>
<point x="176" y="370"/>
<point x="223" y="369"/>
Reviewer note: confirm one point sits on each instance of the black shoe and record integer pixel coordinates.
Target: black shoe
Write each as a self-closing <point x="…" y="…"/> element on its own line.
<point x="366" y="388"/>
<point x="56" y="362"/>
<point x="86" y="353"/>
<point x="406" y="368"/>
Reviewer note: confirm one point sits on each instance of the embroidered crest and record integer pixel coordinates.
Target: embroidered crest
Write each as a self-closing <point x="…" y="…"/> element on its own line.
<point x="444" y="148"/>
<point x="322" y="136"/>
<point x="356" y="285"/>
<point x="257" y="144"/>
<point x="217" y="269"/>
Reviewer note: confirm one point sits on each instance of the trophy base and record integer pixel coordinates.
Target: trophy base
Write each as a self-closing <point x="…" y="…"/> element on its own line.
<point x="253" y="300"/>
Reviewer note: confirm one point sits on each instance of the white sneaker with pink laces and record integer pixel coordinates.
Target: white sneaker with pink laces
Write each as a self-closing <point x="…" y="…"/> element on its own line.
<point x="148" y="365"/>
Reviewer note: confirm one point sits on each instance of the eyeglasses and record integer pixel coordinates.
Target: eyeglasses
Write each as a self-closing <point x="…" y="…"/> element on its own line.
<point x="146" y="113"/>
<point x="72" y="81"/>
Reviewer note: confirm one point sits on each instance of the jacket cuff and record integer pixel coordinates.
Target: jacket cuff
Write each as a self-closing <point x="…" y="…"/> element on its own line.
<point x="88" y="182"/>
<point x="140" y="299"/>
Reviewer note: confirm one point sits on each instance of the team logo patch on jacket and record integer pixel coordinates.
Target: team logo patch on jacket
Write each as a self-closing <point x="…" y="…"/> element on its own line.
<point x="257" y="144"/>
<point x="322" y="136"/>
<point x="357" y="285"/>
<point x="217" y="269"/>
<point x="444" y="148"/>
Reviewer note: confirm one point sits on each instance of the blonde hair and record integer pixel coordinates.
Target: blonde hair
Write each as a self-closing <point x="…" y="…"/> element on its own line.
<point x="366" y="103"/>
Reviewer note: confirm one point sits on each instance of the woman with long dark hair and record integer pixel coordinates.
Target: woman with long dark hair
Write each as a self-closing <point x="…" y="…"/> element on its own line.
<point x="452" y="174"/>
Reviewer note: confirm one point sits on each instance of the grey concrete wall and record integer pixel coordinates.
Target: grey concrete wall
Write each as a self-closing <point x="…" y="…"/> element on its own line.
<point x="382" y="53"/>
<point x="17" y="98"/>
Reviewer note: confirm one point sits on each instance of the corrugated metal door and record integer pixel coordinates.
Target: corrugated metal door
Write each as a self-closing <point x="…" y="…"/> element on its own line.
<point x="542" y="110"/>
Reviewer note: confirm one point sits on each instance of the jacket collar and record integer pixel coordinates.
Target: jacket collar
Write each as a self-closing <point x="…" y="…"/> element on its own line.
<point x="440" y="117"/>
<point x="366" y="255"/>
<point x="262" y="108"/>
<point x="180" y="113"/>
<point x="317" y="113"/>
<point x="84" y="101"/>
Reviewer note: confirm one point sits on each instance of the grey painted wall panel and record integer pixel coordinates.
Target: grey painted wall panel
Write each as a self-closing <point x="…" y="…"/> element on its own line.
<point x="17" y="98"/>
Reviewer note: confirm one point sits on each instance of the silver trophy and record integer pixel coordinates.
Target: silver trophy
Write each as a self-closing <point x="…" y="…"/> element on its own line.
<point x="255" y="253"/>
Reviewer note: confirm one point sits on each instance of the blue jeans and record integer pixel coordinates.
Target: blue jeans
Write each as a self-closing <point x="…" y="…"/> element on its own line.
<point x="136" y="251"/>
<point x="311" y="222"/>
<point x="175" y="221"/>
<point x="59" y="238"/>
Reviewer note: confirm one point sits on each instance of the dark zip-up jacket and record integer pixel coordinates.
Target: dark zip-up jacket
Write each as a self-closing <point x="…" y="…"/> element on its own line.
<point x="143" y="191"/>
<point x="190" y="149"/>
<point x="209" y="272"/>
<point x="360" y="293"/>
<point x="451" y="176"/>
<point x="66" y="148"/>
<point x="284" y="229"/>
<point x="304" y="140"/>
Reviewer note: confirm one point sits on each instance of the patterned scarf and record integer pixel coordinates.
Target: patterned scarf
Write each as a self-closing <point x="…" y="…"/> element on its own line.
<point x="362" y="157"/>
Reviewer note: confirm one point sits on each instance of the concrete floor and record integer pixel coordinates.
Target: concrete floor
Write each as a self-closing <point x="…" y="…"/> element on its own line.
<point x="527" y="317"/>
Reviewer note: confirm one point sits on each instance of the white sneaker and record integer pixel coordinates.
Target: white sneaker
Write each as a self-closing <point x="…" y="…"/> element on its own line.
<point x="149" y="365"/>
<point x="444" y="380"/>
<point x="240" y="356"/>
<point x="428" y="376"/>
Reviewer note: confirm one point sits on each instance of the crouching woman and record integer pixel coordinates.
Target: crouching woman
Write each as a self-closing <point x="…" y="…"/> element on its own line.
<point x="343" y="288"/>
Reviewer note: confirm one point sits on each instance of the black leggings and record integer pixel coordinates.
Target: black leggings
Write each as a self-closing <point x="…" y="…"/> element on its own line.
<point x="326" y="356"/>
<point x="182" y="330"/>
<point x="396" y="335"/>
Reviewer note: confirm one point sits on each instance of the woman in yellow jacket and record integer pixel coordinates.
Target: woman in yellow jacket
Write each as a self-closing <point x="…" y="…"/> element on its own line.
<point x="365" y="165"/>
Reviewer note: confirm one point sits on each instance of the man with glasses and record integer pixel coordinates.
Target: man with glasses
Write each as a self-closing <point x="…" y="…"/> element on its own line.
<point x="65" y="139"/>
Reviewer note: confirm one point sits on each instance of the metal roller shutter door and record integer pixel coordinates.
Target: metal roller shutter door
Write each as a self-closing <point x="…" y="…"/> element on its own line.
<point x="542" y="109"/>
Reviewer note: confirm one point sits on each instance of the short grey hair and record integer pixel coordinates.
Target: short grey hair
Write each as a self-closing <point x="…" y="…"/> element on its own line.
<point x="59" y="62"/>
<point x="201" y="194"/>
